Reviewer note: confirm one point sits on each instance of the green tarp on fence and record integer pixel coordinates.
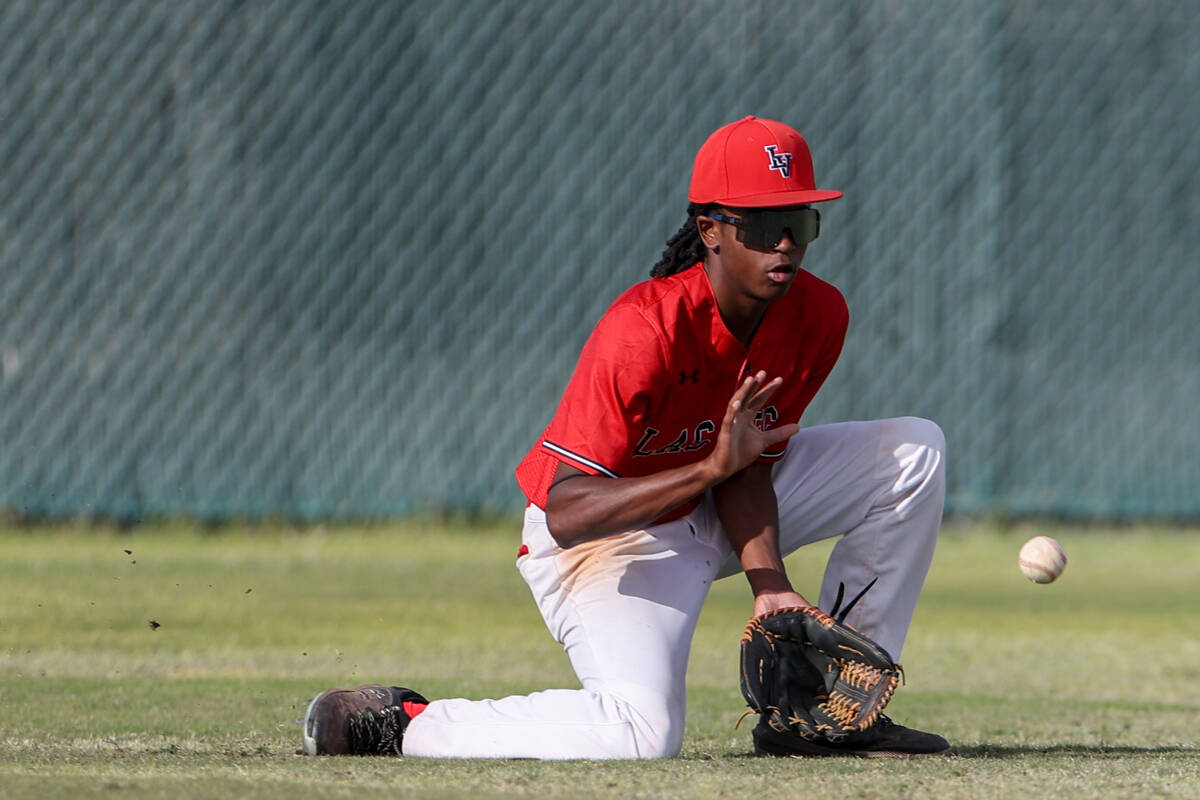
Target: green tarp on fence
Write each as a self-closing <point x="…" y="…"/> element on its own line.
<point x="336" y="259"/>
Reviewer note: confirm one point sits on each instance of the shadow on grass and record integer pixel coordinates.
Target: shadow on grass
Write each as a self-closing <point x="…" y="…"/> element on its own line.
<point x="999" y="752"/>
<point x="1073" y="750"/>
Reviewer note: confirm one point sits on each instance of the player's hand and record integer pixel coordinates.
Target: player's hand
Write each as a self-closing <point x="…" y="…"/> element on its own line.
<point x="766" y="602"/>
<point x="740" y="441"/>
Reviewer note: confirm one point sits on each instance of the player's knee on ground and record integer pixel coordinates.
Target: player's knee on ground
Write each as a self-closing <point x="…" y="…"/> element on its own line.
<point x="661" y="740"/>
<point x="657" y="724"/>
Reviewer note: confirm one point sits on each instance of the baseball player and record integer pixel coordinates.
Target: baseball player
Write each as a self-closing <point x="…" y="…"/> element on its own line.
<point x="674" y="459"/>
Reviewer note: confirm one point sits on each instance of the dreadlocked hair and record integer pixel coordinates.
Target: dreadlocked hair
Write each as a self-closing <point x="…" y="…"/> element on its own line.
<point x="684" y="248"/>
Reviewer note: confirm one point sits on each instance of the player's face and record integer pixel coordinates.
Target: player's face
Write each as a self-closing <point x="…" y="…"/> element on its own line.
<point x="756" y="271"/>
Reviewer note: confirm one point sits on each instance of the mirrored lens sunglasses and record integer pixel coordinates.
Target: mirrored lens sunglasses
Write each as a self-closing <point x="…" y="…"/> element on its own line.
<point x="763" y="229"/>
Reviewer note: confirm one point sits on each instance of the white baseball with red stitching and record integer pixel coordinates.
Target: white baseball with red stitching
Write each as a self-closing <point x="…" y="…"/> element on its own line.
<point x="1042" y="559"/>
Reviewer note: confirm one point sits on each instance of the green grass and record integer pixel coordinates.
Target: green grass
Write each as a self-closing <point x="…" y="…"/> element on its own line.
<point x="1088" y="687"/>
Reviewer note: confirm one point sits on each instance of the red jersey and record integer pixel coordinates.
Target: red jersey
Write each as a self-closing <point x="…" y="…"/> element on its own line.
<point x="654" y="379"/>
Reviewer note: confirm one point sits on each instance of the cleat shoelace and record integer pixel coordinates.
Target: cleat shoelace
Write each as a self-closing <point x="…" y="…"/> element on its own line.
<point x="376" y="733"/>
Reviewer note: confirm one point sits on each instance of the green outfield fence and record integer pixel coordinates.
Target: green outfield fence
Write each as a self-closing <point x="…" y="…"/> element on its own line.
<point x="330" y="260"/>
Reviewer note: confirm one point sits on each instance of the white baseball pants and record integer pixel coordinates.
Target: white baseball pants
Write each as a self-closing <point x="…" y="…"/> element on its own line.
<point x="625" y="607"/>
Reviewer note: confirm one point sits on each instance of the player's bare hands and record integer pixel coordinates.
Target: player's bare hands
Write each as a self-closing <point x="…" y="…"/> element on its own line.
<point x="740" y="441"/>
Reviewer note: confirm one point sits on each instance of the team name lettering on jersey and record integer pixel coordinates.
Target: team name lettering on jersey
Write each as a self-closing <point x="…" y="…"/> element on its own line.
<point x="766" y="418"/>
<point x="689" y="440"/>
<point x="686" y="440"/>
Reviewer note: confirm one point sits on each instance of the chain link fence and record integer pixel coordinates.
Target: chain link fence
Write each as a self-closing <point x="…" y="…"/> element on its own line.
<point x="328" y="260"/>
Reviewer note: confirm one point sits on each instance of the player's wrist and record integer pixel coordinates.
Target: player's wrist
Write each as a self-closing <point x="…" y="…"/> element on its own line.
<point x="768" y="581"/>
<point x="713" y="471"/>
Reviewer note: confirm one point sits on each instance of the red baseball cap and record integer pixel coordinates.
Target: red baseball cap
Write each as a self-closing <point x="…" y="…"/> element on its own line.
<point x="755" y="163"/>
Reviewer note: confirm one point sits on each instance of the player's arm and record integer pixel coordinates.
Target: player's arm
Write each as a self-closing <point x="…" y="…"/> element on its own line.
<point x="582" y="507"/>
<point x="749" y="512"/>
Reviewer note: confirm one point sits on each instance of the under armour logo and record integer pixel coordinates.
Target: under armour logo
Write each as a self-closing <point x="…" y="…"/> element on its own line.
<point x="779" y="161"/>
<point x="693" y="376"/>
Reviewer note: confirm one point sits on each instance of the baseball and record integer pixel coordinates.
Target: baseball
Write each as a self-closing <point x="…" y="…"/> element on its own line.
<point x="1041" y="559"/>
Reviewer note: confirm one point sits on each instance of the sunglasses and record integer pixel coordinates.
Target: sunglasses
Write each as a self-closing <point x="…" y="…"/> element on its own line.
<point x="763" y="229"/>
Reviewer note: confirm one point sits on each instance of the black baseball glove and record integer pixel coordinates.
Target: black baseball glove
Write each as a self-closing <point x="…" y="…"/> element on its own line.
<point x="809" y="675"/>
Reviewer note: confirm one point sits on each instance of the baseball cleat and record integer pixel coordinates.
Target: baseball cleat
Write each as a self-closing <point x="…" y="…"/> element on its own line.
<point x="367" y="721"/>
<point x="884" y="739"/>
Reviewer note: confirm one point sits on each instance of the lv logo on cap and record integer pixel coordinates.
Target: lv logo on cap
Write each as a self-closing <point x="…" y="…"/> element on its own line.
<point x="779" y="161"/>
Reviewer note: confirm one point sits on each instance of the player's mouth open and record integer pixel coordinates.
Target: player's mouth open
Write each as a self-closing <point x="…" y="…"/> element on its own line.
<point x="781" y="273"/>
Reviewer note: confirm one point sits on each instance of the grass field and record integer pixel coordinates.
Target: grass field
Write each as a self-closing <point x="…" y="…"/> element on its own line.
<point x="1089" y="687"/>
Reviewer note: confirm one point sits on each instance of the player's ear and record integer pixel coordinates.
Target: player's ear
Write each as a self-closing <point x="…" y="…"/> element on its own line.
<point x="707" y="226"/>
